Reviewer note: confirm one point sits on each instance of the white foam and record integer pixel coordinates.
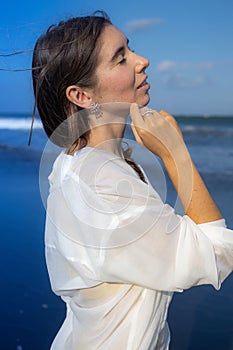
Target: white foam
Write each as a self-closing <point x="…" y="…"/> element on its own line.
<point x="19" y="124"/>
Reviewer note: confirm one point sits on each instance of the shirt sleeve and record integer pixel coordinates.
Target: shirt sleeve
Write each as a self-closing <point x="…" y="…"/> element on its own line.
<point x="130" y="236"/>
<point x="174" y="257"/>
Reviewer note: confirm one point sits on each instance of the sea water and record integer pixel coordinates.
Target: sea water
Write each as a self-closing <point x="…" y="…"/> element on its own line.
<point x="209" y="139"/>
<point x="200" y="318"/>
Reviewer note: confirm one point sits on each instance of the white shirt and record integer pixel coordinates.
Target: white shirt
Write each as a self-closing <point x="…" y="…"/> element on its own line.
<point x="107" y="228"/>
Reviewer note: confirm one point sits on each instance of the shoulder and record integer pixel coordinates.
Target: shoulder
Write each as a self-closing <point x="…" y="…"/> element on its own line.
<point x="96" y="169"/>
<point x="94" y="164"/>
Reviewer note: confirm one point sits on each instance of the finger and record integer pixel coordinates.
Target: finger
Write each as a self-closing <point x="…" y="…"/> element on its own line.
<point x="168" y="117"/>
<point x="164" y="113"/>
<point x="137" y="137"/>
<point x="146" y="112"/>
<point x="172" y="120"/>
<point x="136" y="116"/>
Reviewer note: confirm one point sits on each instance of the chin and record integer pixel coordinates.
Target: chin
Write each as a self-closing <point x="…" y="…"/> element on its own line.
<point x="143" y="102"/>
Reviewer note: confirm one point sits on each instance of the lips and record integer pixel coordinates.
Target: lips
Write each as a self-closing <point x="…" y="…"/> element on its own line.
<point x="144" y="83"/>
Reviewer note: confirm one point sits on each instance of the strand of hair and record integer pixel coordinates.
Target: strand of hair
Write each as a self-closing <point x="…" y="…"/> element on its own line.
<point x="21" y="70"/>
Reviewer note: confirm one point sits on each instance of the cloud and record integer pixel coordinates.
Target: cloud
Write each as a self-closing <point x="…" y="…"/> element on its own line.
<point x="185" y="75"/>
<point x="142" y="24"/>
<point x="183" y="82"/>
<point x="168" y="66"/>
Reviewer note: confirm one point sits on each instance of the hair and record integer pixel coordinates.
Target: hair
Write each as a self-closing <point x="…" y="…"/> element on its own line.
<point x="67" y="54"/>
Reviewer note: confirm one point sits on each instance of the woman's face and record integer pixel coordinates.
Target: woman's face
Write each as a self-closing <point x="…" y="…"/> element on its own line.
<point x="120" y="73"/>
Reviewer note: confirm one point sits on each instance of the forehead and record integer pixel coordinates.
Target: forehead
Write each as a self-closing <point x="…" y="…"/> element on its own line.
<point x="111" y="40"/>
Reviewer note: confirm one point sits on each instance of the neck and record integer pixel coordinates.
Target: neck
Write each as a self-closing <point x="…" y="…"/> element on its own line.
<point x="107" y="137"/>
<point x="107" y="131"/>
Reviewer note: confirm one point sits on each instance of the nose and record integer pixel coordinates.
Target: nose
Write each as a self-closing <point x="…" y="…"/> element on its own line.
<point x="141" y="63"/>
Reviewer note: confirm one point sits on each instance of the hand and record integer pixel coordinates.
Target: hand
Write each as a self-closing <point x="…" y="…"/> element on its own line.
<point x="159" y="133"/>
<point x="162" y="136"/>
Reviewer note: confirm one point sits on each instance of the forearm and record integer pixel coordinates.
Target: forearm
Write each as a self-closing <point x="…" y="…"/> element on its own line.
<point x="193" y="193"/>
<point x="163" y="137"/>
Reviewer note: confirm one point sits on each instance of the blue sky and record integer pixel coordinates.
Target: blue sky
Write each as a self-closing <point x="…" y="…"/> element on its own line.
<point x="188" y="43"/>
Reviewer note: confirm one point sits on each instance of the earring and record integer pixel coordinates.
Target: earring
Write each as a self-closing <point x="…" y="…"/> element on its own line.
<point x="95" y="108"/>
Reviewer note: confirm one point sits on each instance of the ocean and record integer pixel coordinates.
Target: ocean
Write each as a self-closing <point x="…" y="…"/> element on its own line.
<point x="200" y="318"/>
<point x="210" y="139"/>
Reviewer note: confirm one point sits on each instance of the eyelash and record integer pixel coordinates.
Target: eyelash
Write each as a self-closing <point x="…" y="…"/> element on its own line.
<point x="124" y="59"/>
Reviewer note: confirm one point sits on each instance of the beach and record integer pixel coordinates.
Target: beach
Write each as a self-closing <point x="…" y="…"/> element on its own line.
<point x="200" y="318"/>
<point x="30" y="312"/>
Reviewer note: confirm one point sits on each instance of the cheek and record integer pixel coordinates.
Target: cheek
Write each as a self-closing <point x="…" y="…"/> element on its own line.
<point x="122" y="83"/>
<point x="117" y="86"/>
<point x="120" y="80"/>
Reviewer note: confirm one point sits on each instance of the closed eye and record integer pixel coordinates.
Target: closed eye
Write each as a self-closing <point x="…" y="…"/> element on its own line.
<point x="122" y="61"/>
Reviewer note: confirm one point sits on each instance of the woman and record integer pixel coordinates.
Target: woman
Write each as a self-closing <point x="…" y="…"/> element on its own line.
<point x="115" y="252"/>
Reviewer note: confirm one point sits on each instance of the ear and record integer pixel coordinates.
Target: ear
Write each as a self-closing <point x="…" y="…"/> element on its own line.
<point x="78" y="96"/>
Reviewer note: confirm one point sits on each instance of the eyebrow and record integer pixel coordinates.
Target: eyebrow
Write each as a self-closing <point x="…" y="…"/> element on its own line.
<point x="119" y="51"/>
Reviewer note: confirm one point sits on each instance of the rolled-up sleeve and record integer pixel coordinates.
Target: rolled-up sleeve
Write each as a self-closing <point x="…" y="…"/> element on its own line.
<point x="172" y="260"/>
<point x="222" y="240"/>
<point x="130" y="236"/>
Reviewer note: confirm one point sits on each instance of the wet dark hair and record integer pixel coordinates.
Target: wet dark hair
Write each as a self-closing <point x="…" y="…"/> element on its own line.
<point x="67" y="54"/>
